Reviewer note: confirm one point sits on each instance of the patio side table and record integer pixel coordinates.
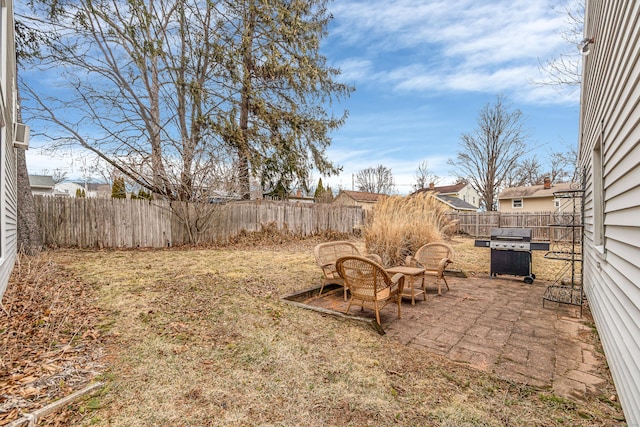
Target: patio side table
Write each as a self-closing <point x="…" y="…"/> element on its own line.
<point x="410" y="274"/>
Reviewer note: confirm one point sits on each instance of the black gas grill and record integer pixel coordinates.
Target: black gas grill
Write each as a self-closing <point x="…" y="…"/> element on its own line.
<point x="511" y="252"/>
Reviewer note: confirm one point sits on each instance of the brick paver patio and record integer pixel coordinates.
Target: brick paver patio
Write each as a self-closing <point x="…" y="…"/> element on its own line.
<point x="500" y="326"/>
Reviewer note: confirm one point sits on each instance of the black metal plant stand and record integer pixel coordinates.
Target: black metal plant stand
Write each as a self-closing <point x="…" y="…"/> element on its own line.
<point x="566" y="246"/>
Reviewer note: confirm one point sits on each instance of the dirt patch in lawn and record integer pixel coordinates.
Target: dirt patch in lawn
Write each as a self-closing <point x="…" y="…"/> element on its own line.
<point x="200" y="337"/>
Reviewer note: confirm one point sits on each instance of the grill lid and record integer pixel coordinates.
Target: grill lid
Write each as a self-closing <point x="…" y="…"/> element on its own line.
<point x="513" y="234"/>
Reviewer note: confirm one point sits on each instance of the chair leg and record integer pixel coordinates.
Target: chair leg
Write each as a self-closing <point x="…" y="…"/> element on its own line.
<point x="399" y="299"/>
<point x="375" y="304"/>
<point x="413" y="291"/>
<point x="440" y="284"/>
<point x="349" y="306"/>
<point x="321" y="288"/>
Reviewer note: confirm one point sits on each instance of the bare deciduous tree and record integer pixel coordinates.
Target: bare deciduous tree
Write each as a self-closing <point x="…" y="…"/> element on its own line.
<point x="57" y="174"/>
<point x="136" y="92"/>
<point x="527" y="172"/>
<point x="375" y="180"/>
<point x="564" y="70"/>
<point x="561" y="167"/>
<point x="492" y="150"/>
<point x="424" y="176"/>
<point x="164" y="92"/>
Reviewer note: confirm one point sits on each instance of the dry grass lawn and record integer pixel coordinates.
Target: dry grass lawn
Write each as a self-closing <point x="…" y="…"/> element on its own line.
<point x="199" y="337"/>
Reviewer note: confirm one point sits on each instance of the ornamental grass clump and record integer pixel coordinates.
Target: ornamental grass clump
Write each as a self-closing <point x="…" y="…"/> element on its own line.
<point x="400" y="225"/>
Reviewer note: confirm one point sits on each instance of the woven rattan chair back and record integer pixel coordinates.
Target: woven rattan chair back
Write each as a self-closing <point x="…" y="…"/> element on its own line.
<point x="370" y="285"/>
<point x="434" y="258"/>
<point x="431" y="254"/>
<point x="327" y="254"/>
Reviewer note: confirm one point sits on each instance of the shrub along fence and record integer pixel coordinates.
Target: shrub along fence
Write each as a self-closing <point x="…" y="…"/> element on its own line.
<point x="125" y="223"/>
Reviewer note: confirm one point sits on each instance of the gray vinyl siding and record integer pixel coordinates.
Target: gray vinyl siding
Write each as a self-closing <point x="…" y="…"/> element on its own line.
<point x="610" y="116"/>
<point x="8" y="175"/>
<point x="9" y="232"/>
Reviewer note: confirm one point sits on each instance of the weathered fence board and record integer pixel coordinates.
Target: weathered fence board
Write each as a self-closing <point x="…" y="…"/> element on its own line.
<point x="117" y="223"/>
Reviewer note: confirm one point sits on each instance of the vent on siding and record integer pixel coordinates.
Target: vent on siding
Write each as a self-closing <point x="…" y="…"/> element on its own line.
<point x="21" y="139"/>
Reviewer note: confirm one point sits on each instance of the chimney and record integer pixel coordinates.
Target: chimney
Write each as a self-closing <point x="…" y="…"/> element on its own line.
<point x="431" y="186"/>
<point x="547" y="183"/>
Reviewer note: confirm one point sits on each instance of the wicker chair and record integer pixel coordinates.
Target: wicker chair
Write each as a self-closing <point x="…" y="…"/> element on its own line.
<point x="434" y="258"/>
<point x="370" y="284"/>
<point x="327" y="254"/>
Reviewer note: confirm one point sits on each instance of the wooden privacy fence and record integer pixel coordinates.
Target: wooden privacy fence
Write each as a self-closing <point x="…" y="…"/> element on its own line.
<point x="542" y="224"/>
<point x="125" y="223"/>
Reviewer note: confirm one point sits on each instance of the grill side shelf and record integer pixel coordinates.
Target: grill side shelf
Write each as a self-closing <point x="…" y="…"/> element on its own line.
<point x="480" y="243"/>
<point x="539" y="246"/>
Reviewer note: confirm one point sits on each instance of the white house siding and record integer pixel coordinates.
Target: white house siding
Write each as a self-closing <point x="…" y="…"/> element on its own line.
<point x="8" y="194"/>
<point x="68" y="189"/>
<point x="610" y="117"/>
<point x="470" y="196"/>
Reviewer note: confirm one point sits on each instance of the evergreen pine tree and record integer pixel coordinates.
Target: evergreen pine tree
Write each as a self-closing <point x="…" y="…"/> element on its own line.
<point x="319" y="190"/>
<point x="327" y="196"/>
<point x="142" y="195"/>
<point x="118" y="190"/>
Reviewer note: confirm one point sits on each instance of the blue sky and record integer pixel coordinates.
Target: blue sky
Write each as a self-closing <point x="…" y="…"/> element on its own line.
<point x="423" y="69"/>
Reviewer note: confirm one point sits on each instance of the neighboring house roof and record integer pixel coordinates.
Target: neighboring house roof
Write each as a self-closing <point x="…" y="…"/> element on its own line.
<point x="295" y="195"/>
<point x="533" y="191"/>
<point x="41" y="181"/>
<point x="299" y="197"/>
<point x="363" y="196"/>
<point x="456" y="203"/>
<point x="221" y="196"/>
<point x="444" y="189"/>
<point x="98" y="187"/>
<point x="449" y="195"/>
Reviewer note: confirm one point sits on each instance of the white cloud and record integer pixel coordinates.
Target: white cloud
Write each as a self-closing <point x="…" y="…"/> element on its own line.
<point x="460" y="45"/>
<point x="355" y="69"/>
<point x="461" y="26"/>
